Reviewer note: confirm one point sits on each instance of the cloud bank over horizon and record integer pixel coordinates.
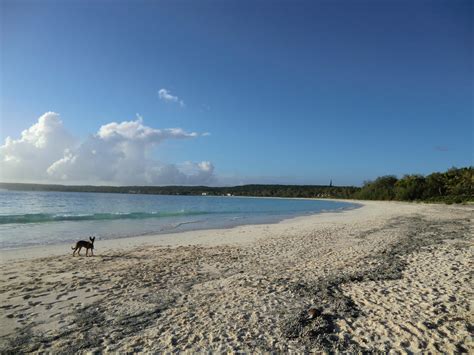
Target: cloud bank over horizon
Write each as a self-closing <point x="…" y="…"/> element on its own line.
<point x="118" y="154"/>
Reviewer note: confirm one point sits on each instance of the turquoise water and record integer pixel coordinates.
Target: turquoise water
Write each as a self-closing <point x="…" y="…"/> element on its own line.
<point x="38" y="218"/>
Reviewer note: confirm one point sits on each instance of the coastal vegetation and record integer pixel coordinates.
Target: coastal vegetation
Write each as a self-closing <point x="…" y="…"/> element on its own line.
<point x="453" y="186"/>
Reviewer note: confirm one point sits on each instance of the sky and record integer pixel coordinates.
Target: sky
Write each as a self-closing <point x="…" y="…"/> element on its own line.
<point x="234" y="92"/>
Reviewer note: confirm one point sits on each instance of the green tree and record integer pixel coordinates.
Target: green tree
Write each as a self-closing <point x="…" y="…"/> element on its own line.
<point x="410" y="187"/>
<point x="383" y="188"/>
<point x="435" y="186"/>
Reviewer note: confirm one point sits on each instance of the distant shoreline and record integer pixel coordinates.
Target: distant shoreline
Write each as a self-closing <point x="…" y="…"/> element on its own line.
<point x="452" y="186"/>
<point x="32" y="251"/>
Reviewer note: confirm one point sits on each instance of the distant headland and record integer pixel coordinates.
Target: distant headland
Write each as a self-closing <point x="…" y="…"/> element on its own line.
<point x="452" y="186"/>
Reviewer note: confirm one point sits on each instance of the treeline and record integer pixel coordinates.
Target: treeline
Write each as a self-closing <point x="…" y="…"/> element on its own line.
<point x="452" y="186"/>
<point x="302" y="191"/>
<point x="310" y="191"/>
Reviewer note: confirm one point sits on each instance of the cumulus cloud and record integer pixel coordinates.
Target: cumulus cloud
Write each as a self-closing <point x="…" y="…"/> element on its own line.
<point x="28" y="158"/>
<point x="136" y="131"/>
<point x="119" y="153"/>
<point x="165" y="95"/>
<point x="190" y="173"/>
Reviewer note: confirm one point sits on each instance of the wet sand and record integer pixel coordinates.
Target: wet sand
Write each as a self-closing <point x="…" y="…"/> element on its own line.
<point x="386" y="276"/>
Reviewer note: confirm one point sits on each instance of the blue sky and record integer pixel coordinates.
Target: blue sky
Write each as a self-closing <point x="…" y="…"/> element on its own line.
<point x="290" y="91"/>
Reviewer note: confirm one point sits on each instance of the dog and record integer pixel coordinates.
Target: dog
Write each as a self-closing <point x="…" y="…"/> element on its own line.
<point x="84" y="244"/>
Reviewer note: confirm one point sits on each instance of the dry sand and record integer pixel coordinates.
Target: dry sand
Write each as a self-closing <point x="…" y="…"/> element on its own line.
<point x="386" y="276"/>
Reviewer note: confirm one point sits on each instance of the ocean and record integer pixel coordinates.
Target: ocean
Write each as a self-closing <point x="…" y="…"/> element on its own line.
<point x="29" y="218"/>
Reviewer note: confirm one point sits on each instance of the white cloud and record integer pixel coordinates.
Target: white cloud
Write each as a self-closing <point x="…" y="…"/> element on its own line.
<point x="136" y="131"/>
<point x="28" y="157"/>
<point x="119" y="153"/>
<point x="189" y="173"/>
<point x="165" y="95"/>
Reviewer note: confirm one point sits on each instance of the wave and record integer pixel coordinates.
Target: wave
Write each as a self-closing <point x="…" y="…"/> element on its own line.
<point x="56" y="217"/>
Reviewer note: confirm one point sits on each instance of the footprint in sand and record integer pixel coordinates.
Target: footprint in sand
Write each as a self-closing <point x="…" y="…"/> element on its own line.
<point x="61" y="295"/>
<point x="9" y="272"/>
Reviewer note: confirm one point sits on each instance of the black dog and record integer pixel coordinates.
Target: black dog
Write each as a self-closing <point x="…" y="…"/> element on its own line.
<point x="84" y="244"/>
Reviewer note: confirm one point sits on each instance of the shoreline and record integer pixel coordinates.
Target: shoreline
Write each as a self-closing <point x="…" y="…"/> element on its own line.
<point x="163" y="239"/>
<point x="385" y="276"/>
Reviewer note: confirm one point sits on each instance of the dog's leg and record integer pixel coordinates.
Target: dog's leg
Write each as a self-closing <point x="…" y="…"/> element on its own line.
<point x="74" y="252"/>
<point x="87" y="251"/>
<point x="79" y="251"/>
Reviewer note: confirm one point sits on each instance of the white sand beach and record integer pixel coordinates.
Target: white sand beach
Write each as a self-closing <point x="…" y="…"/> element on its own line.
<point x="386" y="276"/>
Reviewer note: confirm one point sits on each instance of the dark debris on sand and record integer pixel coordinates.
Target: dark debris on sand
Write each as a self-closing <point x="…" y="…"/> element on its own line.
<point x="83" y="334"/>
<point x="321" y="331"/>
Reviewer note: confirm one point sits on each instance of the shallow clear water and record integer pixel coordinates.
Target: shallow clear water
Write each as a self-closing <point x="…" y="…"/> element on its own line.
<point x="39" y="217"/>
